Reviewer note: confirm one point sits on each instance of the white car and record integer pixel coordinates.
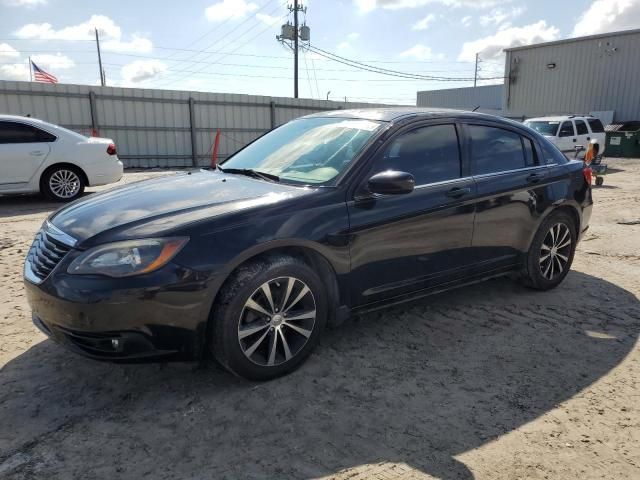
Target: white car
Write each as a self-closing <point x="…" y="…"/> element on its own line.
<point x="569" y="131"/>
<point x="37" y="156"/>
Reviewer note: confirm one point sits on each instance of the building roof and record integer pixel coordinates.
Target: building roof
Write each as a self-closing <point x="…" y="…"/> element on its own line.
<point x="573" y="40"/>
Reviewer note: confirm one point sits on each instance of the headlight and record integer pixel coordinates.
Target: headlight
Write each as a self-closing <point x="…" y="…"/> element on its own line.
<point x="124" y="259"/>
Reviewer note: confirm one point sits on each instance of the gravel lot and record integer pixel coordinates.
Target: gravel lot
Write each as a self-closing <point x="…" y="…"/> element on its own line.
<point x="490" y="382"/>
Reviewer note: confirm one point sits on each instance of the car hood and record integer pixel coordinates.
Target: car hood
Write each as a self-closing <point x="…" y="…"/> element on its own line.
<point x="154" y="206"/>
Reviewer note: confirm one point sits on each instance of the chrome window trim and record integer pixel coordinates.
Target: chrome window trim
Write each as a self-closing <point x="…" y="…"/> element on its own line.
<point x="505" y="172"/>
<point x="443" y="182"/>
<point x="59" y="235"/>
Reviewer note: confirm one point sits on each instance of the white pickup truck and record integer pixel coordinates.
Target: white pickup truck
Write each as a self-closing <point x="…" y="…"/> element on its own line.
<point x="569" y="131"/>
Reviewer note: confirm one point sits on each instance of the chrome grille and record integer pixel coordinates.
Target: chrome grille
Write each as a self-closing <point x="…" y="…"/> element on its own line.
<point x="44" y="255"/>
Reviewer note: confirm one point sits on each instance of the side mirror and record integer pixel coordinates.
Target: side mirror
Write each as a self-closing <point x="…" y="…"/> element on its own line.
<point x="391" y="182"/>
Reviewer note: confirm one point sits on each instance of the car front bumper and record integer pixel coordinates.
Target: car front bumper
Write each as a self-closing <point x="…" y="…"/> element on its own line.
<point x="162" y="316"/>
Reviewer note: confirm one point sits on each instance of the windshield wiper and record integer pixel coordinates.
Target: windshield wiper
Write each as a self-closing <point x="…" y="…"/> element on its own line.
<point x="251" y="173"/>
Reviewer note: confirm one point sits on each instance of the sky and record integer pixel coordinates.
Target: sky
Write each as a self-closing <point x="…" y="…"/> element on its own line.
<point x="230" y="46"/>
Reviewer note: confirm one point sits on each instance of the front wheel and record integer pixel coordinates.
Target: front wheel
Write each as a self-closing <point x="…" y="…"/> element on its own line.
<point x="269" y="318"/>
<point x="62" y="184"/>
<point x="551" y="253"/>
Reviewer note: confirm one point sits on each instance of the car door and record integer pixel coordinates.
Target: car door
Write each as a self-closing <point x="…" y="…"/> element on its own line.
<point x="567" y="139"/>
<point x="582" y="132"/>
<point x="404" y="243"/>
<point x="23" y="149"/>
<point x="514" y="187"/>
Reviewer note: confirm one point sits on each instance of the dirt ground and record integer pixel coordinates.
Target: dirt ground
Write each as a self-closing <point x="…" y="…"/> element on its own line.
<point x="492" y="381"/>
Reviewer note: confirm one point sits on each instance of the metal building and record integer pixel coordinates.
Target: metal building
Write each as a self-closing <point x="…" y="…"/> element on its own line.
<point x="596" y="74"/>
<point x="486" y="98"/>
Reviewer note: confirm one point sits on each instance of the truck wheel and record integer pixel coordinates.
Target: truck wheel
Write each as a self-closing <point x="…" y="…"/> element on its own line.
<point x="269" y="318"/>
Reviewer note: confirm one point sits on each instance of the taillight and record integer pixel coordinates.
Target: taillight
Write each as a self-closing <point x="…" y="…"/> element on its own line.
<point x="111" y="149"/>
<point x="588" y="175"/>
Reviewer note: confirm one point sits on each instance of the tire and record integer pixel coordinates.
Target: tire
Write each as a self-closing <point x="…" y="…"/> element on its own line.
<point x="550" y="256"/>
<point x="599" y="181"/>
<point x="62" y="183"/>
<point x="246" y="324"/>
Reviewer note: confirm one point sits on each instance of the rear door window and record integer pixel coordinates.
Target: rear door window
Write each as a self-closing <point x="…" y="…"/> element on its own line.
<point x="431" y="154"/>
<point x="581" y="128"/>
<point x="14" y="132"/>
<point x="596" y="125"/>
<point x="496" y="150"/>
<point x="566" y="130"/>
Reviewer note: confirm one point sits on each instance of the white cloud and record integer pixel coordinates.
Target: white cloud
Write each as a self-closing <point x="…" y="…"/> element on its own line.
<point x="229" y="9"/>
<point x="24" y="3"/>
<point x="466" y="21"/>
<point x="137" y="44"/>
<point x="421" y="52"/>
<point x="7" y="51"/>
<point x="499" y="16"/>
<point x="365" y="6"/>
<point x="353" y="36"/>
<point x="83" y="31"/>
<point x="267" y="19"/>
<point x="491" y="47"/>
<point x="142" y="70"/>
<point x="110" y="34"/>
<point x="16" y="71"/>
<point x="608" y="16"/>
<point x="424" y="23"/>
<point x="57" y="61"/>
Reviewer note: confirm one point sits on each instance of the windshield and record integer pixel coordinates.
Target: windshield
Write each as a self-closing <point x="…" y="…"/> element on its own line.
<point x="308" y="150"/>
<point x="548" y="128"/>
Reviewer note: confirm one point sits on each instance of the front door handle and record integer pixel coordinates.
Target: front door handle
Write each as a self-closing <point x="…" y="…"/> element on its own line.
<point x="37" y="153"/>
<point x="458" y="192"/>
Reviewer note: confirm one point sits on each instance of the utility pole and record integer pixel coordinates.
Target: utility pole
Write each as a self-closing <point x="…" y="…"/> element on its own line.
<point x="30" y="71"/>
<point x="475" y="77"/>
<point x="292" y="35"/>
<point x="102" y="81"/>
<point x="295" y="49"/>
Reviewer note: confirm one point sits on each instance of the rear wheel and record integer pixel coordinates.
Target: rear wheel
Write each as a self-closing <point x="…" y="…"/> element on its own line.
<point x="551" y="253"/>
<point x="62" y="183"/>
<point x="269" y="318"/>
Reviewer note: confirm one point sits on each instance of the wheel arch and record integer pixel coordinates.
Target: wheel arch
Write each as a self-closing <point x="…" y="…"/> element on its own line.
<point x="301" y="250"/>
<point x="570" y="209"/>
<point x="73" y="166"/>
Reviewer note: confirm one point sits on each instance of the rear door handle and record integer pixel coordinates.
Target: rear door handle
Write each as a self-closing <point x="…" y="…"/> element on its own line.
<point x="535" y="177"/>
<point x="458" y="192"/>
<point x="37" y="153"/>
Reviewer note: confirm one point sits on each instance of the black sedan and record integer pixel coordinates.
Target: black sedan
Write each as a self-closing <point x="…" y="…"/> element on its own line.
<point x="326" y="216"/>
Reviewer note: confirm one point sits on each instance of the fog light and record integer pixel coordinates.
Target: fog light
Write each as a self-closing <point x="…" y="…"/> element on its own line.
<point x="115" y="343"/>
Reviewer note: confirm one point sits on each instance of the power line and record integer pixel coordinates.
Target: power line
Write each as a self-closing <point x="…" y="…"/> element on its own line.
<point x="388" y="72"/>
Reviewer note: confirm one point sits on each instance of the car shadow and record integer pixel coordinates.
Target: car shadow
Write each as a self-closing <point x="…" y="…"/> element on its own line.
<point x="417" y="384"/>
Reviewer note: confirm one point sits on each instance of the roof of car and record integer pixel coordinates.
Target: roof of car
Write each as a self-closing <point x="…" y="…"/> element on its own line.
<point x="389" y="114"/>
<point x="20" y="118"/>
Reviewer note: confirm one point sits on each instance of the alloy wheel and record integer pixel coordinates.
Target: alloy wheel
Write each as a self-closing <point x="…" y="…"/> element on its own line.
<point x="555" y="251"/>
<point x="64" y="183"/>
<point x="277" y="321"/>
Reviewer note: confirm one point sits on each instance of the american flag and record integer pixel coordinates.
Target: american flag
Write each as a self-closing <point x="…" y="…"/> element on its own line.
<point x="40" y="75"/>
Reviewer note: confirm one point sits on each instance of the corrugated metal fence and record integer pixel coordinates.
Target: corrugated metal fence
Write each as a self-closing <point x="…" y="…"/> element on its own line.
<point x="159" y="128"/>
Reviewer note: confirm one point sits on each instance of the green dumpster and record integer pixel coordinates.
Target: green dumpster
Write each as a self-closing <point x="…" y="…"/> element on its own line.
<point x="623" y="140"/>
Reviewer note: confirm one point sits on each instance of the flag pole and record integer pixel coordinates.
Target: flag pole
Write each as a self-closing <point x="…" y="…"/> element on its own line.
<point x="30" y="71"/>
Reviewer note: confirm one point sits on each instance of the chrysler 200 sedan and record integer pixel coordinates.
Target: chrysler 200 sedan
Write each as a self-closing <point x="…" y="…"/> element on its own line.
<point x="327" y="216"/>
